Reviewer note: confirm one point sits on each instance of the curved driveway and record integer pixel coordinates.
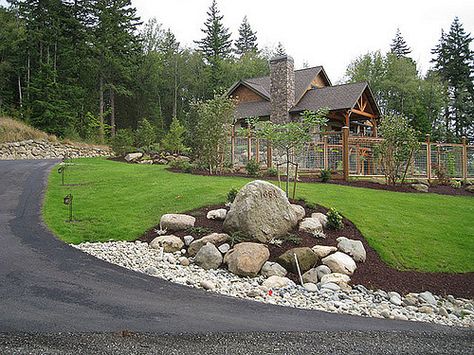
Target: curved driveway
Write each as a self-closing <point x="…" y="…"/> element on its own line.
<point x="47" y="286"/>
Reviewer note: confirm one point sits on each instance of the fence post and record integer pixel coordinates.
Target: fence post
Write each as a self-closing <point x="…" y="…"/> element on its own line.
<point x="464" y="158"/>
<point x="269" y="155"/>
<point x="345" y="152"/>
<point x="257" y="149"/>
<point x="325" y="152"/>
<point x="428" y="157"/>
<point x="232" y="145"/>
<point x="249" y="146"/>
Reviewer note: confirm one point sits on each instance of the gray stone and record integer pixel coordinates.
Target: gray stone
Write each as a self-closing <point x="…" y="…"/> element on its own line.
<point x="151" y="270"/>
<point x="214" y="238"/>
<point x="426" y="309"/>
<point x="311" y="287"/>
<point x="207" y="285"/>
<point x="133" y="156"/>
<point x="311" y="225"/>
<point x="218" y="214"/>
<point x="169" y="243"/>
<point x="176" y="222"/>
<point x="299" y="210"/>
<point x="322" y="270"/>
<point x="188" y="239"/>
<point x="427" y="297"/>
<point x="354" y="248"/>
<point x="443" y="312"/>
<point x="271" y="268"/>
<point x="321" y="217"/>
<point x="420" y="187"/>
<point x="307" y="259"/>
<point x="275" y="282"/>
<point x="262" y="211"/>
<point x="322" y="251"/>
<point x="184" y="261"/>
<point x="330" y="286"/>
<point x="396" y="300"/>
<point x="224" y="248"/>
<point x="338" y="279"/>
<point x="340" y="263"/>
<point x="208" y="257"/>
<point x="246" y="259"/>
<point x="311" y="276"/>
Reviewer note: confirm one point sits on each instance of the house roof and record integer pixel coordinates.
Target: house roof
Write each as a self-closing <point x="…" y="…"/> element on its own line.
<point x="336" y="97"/>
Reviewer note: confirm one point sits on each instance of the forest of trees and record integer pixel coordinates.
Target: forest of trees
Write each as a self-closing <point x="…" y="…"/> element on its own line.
<point x="83" y="69"/>
<point x="440" y="102"/>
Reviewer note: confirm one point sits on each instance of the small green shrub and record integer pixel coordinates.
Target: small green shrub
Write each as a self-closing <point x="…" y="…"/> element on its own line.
<point x="145" y="135"/>
<point x="442" y="174"/>
<point x="199" y="231"/>
<point x="252" y="167"/>
<point x="182" y="165"/>
<point x="292" y="238"/>
<point x="456" y="184"/>
<point x="231" y="194"/>
<point x="122" y="143"/>
<point x="325" y="175"/>
<point x="334" y="219"/>
<point x="238" y="237"/>
<point x="272" y="171"/>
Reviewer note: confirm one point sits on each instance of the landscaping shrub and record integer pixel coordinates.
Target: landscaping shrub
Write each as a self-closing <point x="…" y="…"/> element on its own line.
<point x="231" y="194"/>
<point x="182" y="165"/>
<point x="456" y="184"/>
<point x="292" y="238"/>
<point x="174" y="140"/>
<point x="325" y="175"/>
<point x="334" y="219"/>
<point x="145" y="135"/>
<point x="122" y="143"/>
<point x="199" y="231"/>
<point x="253" y="167"/>
<point x="238" y="237"/>
<point x="272" y="171"/>
<point x="442" y="174"/>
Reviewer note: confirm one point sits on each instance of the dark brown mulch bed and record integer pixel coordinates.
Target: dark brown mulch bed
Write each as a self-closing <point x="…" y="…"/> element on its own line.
<point x="373" y="274"/>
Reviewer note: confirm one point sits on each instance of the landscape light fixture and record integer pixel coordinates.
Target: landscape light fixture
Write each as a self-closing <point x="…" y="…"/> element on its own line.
<point x="68" y="202"/>
<point x="61" y="171"/>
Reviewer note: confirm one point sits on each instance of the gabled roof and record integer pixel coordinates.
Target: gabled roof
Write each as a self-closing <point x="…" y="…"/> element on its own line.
<point x="338" y="97"/>
<point x="303" y="79"/>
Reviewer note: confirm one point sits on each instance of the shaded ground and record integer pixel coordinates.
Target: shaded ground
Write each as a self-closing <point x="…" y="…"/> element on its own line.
<point x="373" y="273"/>
<point x="352" y="342"/>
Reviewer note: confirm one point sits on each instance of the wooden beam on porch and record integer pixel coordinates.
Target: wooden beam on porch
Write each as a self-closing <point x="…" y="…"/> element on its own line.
<point x="362" y="113"/>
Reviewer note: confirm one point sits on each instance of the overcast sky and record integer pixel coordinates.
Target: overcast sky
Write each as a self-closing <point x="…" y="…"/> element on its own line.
<point x="329" y="33"/>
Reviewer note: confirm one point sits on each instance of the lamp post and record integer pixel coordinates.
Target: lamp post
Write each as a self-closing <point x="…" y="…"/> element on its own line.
<point x="68" y="202"/>
<point x="61" y="171"/>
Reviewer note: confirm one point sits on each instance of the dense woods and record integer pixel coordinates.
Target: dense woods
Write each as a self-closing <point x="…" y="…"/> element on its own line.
<point x="84" y="69"/>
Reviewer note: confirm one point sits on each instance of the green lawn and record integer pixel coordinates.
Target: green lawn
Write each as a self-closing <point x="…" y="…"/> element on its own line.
<point x="117" y="201"/>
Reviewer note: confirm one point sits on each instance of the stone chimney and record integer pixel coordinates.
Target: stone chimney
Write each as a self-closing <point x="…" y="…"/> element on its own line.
<point x="282" y="88"/>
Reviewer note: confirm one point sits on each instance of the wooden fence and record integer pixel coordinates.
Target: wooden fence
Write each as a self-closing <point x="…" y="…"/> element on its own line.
<point x="348" y="155"/>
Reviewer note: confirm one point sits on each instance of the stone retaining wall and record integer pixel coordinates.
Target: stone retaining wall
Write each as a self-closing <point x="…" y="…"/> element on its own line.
<point x="42" y="149"/>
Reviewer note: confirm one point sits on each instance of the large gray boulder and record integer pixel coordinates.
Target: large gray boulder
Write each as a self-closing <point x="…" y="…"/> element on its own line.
<point x="420" y="187"/>
<point x="214" y="238"/>
<point x="354" y="248"/>
<point x="133" y="156"/>
<point x="306" y="259"/>
<point x="169" y="243"/>
<point x="311" y="225"/>
<point x="322" y="250"/>
<point x="208" y="257"/>
<point x="340" y="263"/>
<point x="246" y="259"/>
<point x="176" y="222"/>
<point x="262" y="211"/>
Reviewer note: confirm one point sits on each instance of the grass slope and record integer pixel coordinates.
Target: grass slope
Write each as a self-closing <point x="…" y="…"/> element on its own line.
<point x="116" y="201"/>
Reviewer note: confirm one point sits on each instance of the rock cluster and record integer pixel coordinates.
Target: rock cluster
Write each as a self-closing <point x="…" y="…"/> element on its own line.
<point x="43" y="149"/>
<point x="325" y="295"/>
<point x="158" y="158"/>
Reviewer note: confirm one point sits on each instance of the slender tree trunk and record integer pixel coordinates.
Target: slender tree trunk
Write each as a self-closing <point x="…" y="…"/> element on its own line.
<point x="175" y="103"/>
<point x="101" y="110"/>
<point x="287" y="172"/>
<point x="112" y="112"/>
<point x="20" y="94"/>
<point x="28" y="76"/>
<point x="55" y="60"/>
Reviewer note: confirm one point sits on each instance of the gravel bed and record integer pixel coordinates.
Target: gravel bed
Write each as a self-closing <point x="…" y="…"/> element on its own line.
<point x="425" y="307"/>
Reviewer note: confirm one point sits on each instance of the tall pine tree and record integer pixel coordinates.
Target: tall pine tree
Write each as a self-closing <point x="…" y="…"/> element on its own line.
<point x="247" y="41"/>
<point x="216" y="43"/>
<point x="455" y="64"/>
<point x="399" y="47"/>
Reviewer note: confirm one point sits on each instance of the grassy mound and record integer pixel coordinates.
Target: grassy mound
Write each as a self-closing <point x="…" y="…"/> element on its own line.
<point x="117" y="201"/>
<point x="14" y="131"/>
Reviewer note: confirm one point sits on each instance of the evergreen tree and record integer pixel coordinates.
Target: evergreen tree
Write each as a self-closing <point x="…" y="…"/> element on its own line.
<point x="216" y="44"/>
<point x="280" y="49"/>
<point x="399" y="47"/>
<point x="455" y="64"/>
<point x="247" y="41"/>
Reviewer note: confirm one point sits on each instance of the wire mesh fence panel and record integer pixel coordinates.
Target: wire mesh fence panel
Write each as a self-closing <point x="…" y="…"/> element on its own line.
<point x="240" y="151"/>
<point x="261" y="147"/>
<point x="470" y="161"/>
<point x="363" y="160"/>
<point x="419" y="166"/>
<point x="448" y="159"/>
